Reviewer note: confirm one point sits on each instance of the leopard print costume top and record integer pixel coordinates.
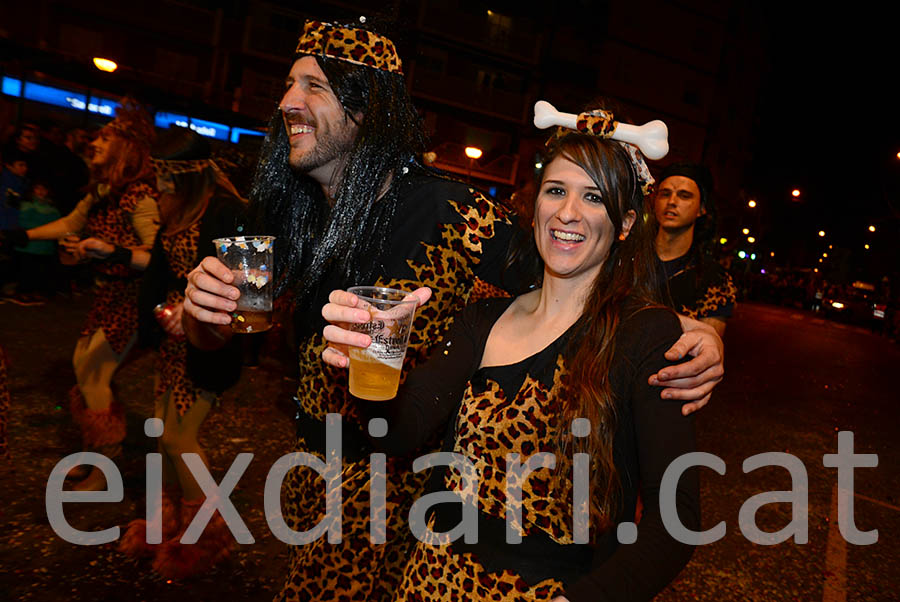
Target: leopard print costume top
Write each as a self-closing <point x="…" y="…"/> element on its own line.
<point x="514" y="409"/>
<point x="461" y="251"/>
<point x="115" y="305"/>
<point x="110" y="220"/>
<point x="697" y="288"/>
<point x="181" y="255"/>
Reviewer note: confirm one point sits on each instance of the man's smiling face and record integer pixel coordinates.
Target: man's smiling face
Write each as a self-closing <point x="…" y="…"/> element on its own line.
<point x="319" y="130"/>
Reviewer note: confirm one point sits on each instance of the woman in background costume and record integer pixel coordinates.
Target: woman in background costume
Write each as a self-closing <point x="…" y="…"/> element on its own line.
<point x="197" y="204"/>
<point x="117" y="222"/>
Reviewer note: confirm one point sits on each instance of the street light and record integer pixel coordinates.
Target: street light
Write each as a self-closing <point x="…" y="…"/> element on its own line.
<point x="822" y="233"/>
<point x="105" y="64"/>
<point x="472" y="152"/>
<point x="795" y="193"/>
<point x="751" y="204"/>
<point x="723" y="240"/>
<point x="867" y="247"/>
<point x="871" y="228"/>
<point x="825" y="255"/>
<point x="751" y="240"/>
<point x="745" y="231"/>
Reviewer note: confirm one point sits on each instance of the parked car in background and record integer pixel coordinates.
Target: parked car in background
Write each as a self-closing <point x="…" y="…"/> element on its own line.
<point x="855" y="304"/>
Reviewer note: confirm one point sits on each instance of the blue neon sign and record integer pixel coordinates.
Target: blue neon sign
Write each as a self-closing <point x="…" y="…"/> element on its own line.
<point x="12" y="87"/>
<point x="209" y="129"/>
<point x="105" y="106"/>
<point x="55" y="96"/>
<point x="165" y="120"/>
<point x="236" y="133"/>
<point x="59" y="97"/>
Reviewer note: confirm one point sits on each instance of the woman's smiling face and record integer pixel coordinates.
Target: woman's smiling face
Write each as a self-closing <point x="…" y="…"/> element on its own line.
<point x="572" y="228"/>
<point x="103" y="148"/>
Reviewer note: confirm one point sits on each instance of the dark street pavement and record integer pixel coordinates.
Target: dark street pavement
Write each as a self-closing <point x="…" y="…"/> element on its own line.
<point x="793" y="381"/>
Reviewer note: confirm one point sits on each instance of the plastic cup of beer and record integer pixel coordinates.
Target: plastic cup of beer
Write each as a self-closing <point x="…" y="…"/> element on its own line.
<point x="250" y="260"/>
<point x="66" y="258"/>
<point x="375" y="370"/>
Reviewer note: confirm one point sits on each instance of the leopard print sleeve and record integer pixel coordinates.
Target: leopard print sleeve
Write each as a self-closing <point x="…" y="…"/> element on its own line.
<point x="719" y="296"/>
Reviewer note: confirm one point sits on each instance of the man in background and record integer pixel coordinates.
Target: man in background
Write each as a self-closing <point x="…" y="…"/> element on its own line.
<point x="695" y="284"/>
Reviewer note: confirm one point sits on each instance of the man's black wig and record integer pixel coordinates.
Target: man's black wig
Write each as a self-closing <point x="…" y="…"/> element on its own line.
<point x="314" y="239"/>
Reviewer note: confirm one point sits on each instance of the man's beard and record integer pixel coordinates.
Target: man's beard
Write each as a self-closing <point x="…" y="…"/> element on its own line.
<point x="331" y="147"/>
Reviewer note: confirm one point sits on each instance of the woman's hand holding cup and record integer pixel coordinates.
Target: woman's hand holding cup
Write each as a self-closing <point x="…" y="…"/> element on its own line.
<point x="344" y="308"/>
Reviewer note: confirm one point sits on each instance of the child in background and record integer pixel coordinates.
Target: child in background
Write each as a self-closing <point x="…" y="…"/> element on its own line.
<point x="37" y="259"/>
<point x="13" y="186"/>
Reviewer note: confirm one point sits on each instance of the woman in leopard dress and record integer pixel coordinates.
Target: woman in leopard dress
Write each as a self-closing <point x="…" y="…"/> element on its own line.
<point x="117" y="222"/>
<point x="553" y="425"/>
<point x="197" y="204"/>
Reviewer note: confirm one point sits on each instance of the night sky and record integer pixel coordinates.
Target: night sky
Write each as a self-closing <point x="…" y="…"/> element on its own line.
<point x="828" y="125"/>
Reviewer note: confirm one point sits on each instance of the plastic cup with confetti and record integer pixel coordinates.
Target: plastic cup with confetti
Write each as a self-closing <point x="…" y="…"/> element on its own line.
<point x="250" y="260"/>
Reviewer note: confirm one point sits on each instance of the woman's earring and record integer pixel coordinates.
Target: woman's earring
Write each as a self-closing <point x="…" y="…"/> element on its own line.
<point x="622" y="236"/>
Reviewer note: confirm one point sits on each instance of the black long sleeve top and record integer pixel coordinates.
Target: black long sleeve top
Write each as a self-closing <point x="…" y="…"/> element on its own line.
<point x="499" y="409"/>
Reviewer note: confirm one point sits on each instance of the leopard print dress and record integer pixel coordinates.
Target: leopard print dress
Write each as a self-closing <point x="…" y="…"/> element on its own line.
<point x="507" y="415"/>
<point x="453" y="240"/>
<point x="115" y="305"/>
<point x="505" y="409"/>
<point x="180" y="249"/>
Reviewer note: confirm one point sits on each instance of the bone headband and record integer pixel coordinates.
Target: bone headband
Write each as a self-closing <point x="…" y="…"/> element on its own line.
<point x="350" y="44"/>
<point x="651" y="138"/>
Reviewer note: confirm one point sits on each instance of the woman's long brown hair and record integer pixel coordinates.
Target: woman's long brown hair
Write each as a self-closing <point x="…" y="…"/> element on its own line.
<point x="627" y="272"/>
<point x="131" y="164"/>
<point x="179" y="211"/>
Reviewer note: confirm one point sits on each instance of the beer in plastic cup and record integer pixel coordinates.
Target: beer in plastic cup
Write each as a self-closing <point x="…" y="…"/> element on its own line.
<point x="250" y="260"/>
<point x="375" y="371"/>
<point x="66" y="258"/>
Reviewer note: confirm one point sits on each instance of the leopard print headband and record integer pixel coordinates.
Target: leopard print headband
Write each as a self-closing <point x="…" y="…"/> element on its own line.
<point x="601" y="123"/>
<point x="350" y="44"/>
<point x="133" y="122"/>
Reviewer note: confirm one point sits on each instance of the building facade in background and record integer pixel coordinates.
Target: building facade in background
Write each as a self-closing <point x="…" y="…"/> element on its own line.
<point x="475" y="69"/>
